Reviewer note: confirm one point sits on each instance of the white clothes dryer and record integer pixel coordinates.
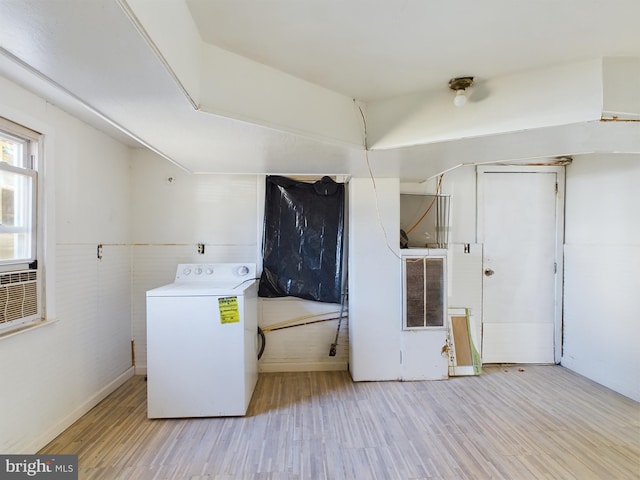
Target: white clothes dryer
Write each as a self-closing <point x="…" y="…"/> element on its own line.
<point x="202" y="342"/>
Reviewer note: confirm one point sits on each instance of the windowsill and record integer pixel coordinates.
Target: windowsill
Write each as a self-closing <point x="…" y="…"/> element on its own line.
<point x="26" y="328"/>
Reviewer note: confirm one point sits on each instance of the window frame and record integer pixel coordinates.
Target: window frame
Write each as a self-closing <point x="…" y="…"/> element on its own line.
<point x="32" y="144"/>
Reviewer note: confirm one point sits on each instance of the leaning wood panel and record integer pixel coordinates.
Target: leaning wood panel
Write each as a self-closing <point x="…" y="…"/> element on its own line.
<point x="460" y="330"/>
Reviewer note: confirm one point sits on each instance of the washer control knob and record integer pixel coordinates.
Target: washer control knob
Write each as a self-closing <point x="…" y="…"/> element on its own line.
<point x="209" y="271"/>
<point x="187" y="271"/>
<point x="243" y="270"/>
<point x="198" y="271"/>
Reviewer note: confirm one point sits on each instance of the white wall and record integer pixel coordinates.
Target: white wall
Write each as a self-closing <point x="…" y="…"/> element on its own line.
<point x="375" y="289"/>
<point x="602" y="261"/>
<point x="225" y="212"/>
<point x="379" y="349"/>
<point x="621" y="95"/>
<point x="460" y="185"/>
<point x="172" y="212"/>
<point x="54" y="374"/>
<point x="246" y="90"/>
<point x="59" y="371"/>
<point x="305" y="348"/>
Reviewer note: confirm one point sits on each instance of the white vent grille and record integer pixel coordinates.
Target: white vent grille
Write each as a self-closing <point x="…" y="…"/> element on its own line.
<point x="18" y="295"/>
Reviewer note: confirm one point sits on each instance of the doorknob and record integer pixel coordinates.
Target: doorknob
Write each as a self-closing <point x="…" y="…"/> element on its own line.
<point x="488" y="272"/>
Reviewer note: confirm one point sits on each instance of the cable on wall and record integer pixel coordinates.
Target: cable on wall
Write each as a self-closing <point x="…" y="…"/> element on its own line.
<point x="559" y="161"/>
<point x="373" y="182"/>
<point x="435" y="197"/>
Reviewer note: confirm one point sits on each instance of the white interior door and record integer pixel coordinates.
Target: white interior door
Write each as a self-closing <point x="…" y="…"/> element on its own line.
<point x="518" y="223"/>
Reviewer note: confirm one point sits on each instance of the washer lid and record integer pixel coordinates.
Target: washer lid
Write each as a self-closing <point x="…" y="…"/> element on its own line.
<point x="210" y="289"/>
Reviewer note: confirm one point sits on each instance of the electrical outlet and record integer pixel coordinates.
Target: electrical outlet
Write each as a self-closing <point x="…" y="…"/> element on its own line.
<point x="201" y="248"/>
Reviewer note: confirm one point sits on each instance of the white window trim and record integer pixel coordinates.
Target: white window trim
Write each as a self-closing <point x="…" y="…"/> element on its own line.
<point x="45" y="228"/>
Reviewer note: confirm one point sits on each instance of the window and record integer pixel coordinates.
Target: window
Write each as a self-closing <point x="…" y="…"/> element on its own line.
<point x="19" y="290"/>
<point x="425" y="220"/>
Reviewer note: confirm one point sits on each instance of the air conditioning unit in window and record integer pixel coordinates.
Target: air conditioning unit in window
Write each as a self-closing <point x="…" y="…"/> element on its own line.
<point x="18" y="296"/>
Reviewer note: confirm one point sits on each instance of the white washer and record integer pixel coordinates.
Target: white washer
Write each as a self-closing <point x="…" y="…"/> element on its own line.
<point x="202" y="342"/>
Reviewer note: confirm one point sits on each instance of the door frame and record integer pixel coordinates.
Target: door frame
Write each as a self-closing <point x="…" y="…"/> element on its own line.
<point x="559" y="233"/>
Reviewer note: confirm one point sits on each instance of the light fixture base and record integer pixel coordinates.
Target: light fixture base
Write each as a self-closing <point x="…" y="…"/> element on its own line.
<point x="460" y="83"/>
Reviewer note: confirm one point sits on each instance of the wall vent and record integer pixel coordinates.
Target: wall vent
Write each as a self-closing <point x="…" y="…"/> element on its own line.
<point x="424" y="294"/>
<point x="18" y="295"/>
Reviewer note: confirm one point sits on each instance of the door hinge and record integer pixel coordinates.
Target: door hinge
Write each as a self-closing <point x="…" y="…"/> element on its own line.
<point x="556" y="187"/>
<point x="555" y="267"/>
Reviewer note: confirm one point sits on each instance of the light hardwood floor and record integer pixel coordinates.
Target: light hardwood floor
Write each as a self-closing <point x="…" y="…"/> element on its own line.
<point x="533" y="422"/>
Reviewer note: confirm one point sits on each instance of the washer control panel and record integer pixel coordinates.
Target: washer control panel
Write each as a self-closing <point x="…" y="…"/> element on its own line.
<point x="215" y="272"/>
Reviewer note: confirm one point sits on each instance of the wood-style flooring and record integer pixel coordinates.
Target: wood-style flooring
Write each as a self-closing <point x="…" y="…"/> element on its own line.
<point x="516" y="423"/>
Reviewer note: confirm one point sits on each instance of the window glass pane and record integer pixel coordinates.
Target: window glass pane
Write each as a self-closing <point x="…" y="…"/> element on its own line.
<point x="15" y="216"/>
<point x="12" y="151"/>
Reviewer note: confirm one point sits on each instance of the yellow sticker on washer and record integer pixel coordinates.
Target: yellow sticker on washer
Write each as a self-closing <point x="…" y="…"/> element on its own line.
<point x="229" y="311"/>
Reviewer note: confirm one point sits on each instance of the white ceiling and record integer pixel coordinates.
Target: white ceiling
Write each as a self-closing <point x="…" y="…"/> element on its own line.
<point x="373" y="49"/>
<point x="89" y="58"/>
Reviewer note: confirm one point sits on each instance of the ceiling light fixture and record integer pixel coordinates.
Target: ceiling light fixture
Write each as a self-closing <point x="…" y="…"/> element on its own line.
<point x="460" y="85"/>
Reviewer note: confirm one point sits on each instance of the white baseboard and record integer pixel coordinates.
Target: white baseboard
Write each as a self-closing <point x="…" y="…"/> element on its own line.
<point x="78" y="412"/>
<point x="303" y="367"/>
